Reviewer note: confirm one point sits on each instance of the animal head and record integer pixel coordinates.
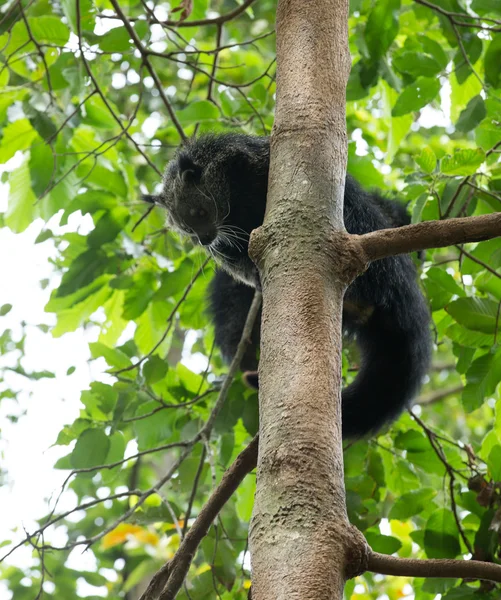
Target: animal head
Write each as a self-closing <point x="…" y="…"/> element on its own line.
<point x="196" y="198"/>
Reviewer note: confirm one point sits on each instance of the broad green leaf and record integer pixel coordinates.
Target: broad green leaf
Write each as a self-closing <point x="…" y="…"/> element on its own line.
<point x="155" y="369"/>
<point x="42" y="167"/>
<point x="468" y="337"/>
<point x="21" y="209"/>
<point x="494" y="463"/>
<point x="386" y="544"/>
<point x="497" y="425"/>
<point x="138" y="297"/>
<point x="115" y="40"/>
<point x="472" y="115"/>
<point x="156" y="429"/>
<point x="115" y="454"/>
<point x="492" y="62"/>
<point x="91" y="449"/>
<point x="108" y="227"/>
<point x="49" y="30"/>
<point x="8" y="96"/>
<point x="245" y="497"/>
<point x="113" y="356"/>
<point x="86" y="14"/>
<point x="362" y="168"/>
<point x="5" y="309"/>
<point x="427" y="160"/>
<point x="16" y="136"/>
<point x="441" y="537"/>
<point x="411" y="504"/>
<point x="463" y="162"/>
<point x="483" y="7"/>
<point x="417" y="64"/>
<point x="99" y="115"/>
<point x="488" y="134"/>
<point x="199" y="111"/>
<point x="482" y="379"/>
<point x="478" y="314"/>
<point x="69" y="319"/>
<point x="462" y="93"/>
<point x="381" y="28"/>
<point x="416" y="95"/>
<point x="83" y="270"/>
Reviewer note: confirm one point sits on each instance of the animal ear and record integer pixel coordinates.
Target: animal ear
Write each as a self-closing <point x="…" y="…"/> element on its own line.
<point x="150" y="198"/>
<point x="189" y="171"/>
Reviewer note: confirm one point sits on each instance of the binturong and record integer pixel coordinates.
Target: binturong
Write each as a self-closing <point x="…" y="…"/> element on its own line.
<point x="214" y="191"/>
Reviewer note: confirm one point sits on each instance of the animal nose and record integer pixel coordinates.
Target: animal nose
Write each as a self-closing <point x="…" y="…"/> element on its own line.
<point x="206" y="238"/>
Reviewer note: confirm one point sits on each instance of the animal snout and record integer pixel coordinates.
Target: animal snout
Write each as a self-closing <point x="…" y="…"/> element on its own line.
<point x="206" y="238"/>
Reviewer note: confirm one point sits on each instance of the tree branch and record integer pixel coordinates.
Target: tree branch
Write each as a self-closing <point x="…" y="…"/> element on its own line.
<point x="173" y="573"/>
<point x="196" y="22"/>
<point x="438" y="395"/>
<point x="430" y="234"/>
<point x="413" y="567"/>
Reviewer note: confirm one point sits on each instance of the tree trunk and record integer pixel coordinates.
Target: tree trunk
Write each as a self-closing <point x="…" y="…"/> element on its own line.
<point x="302" y="545"/>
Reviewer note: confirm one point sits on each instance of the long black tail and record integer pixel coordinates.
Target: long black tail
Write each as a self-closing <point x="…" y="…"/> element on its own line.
<point x="394" y="341"/>
<point x="395" y="356"/>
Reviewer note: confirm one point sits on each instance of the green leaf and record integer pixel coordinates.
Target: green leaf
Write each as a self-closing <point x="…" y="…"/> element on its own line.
<point x="138" y="297"/>
<point x="482" y="379"/>
<point x="16" y="136"/>
<point x="417" y="64"/>
<point x="49" y="30"/>
<point x="155" y="369"/>
<point x="492" y="62"/>
<point x="154" y="430"/>
<point x="478" y="314"/>
<point x="416" y="95"/>
<point x="86" y="14"/>
<point x="43" y="236"/>
<point x="386" y="544"/>
<point x="42" y="167"/>
<point x="427" y="160"/>
<point x="382" y="27"/>
<point x="488" y="134"/>
<point x="494" y="463"/>
<point x="5" y="309"/>
<point x="115" y="40"/>
<point x="411" y="504"/>
<point x="440" y="287"/>
<point x="441" y="537"/>
<point x="98" y="114"/>
<point x="472" y="115"/>
<point x="108" y="227"/>
<point x="362" y="168"/>
<point x="91" y="449"/>
<point x="83" y="270"/>
<point x="463" y="162"/>
<point x="8" y="96"/>
<point x="21" y="209"/>
<point x="245" y="497"/>
<point x="199" y="111"/>
<point x="113" y="356"/>
<point x="483" y="7"/>
<point x="115" y="454"/>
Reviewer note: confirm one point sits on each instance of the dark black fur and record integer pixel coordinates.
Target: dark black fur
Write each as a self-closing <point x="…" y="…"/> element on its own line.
<point x="215" y="191"/>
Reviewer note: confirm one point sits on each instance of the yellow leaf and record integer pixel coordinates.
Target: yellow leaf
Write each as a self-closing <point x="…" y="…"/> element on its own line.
<point x="147" y="537"/>
<point x="119" y="535"/>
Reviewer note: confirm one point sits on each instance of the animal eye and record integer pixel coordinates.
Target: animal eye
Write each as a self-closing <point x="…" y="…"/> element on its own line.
<point x="202" y="213"/>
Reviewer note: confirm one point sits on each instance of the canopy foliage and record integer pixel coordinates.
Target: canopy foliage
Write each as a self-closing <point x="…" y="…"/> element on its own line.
<point x="94" y="99"/>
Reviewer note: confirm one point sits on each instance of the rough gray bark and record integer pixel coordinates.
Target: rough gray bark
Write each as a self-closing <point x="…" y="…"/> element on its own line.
<point x="302" y="545"/>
